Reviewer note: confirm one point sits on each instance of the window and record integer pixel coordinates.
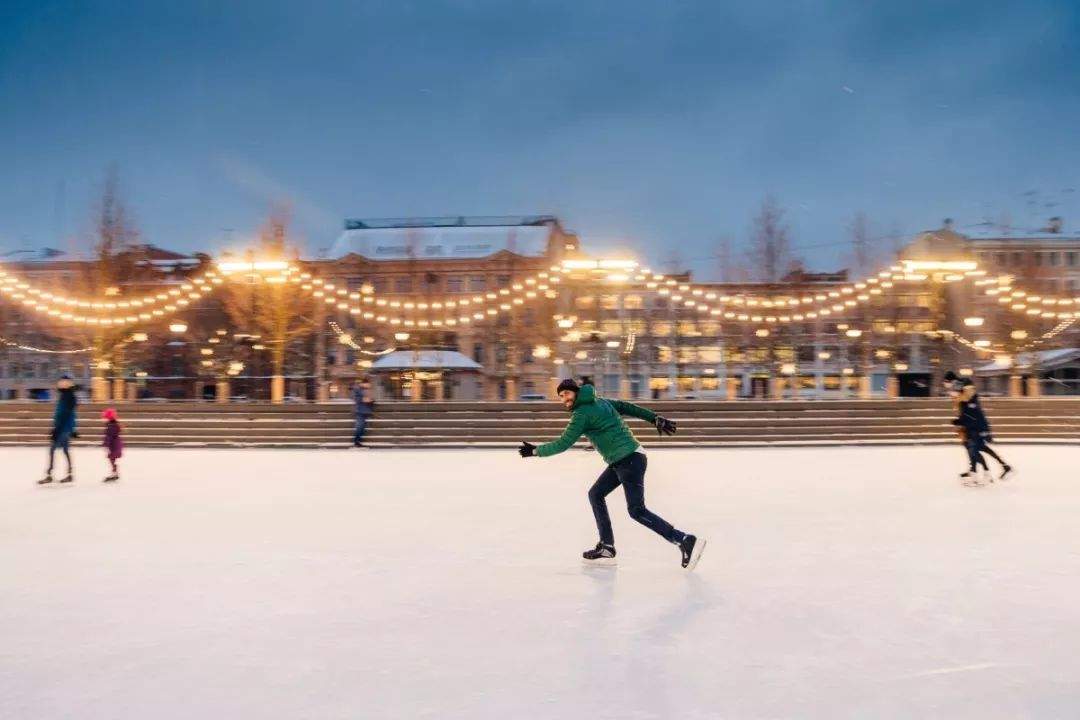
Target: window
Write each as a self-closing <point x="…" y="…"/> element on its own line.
<point x="609" y="302"/>
<point x="999" y="258"/>
<point x="661" y="329"/>
<point x="688" y="328"/>
<point x="502" y="281"/>
<point x="710" y="354"/>
<point x="636" y="302"/>
<point x="687" y="354"/>
<point x="403" y="284"/>
<point x="584" y="302"/>
<point x="1055" y="259"/>
<point x="660" y="302"/>
<point x="710" y="382"/>
<point x="477" y="282"/>
<point x="612" y="327"/>
<point x="380" y="285"/>
<point x="1038" y="259"/>
<point x="478" y="353"/>
<point x="455" y="284"/>
<point x="1017" y="259"/>
<point x="501" y="353"/>
<point x="1070" y="259"/>
<point x="354" y="283"/>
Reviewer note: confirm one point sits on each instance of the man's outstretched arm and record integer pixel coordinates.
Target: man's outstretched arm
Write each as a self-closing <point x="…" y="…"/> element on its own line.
<point x="570" y="435"/>
<point x="626" y="408"/>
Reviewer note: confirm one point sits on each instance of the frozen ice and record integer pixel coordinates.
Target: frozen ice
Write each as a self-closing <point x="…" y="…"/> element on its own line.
<point x="838" y="583"/>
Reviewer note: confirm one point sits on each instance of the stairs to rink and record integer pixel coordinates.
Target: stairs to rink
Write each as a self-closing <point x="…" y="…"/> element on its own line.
<point x="477" y="424"/>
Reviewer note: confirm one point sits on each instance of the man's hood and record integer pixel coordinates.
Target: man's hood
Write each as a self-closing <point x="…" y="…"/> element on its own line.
<point x="585" y="396"/>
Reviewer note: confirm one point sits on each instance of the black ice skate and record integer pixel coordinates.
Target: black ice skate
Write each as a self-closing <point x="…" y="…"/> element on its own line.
<point x="111" y="478"/>
<point x="691" y="548"/>
<point x="1006" y="472"/>
<point x="600" y="555"/>
<point x="67" y="478"/>
<point x="45" y="480"/>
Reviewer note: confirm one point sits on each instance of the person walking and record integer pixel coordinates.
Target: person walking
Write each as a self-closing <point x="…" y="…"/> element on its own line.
<point x="365" y="408"/>
<point x="63" y="429"/>
<point x="112" y="442"/>
<point x="975" y="429"/>
<point x="600" y="420"/>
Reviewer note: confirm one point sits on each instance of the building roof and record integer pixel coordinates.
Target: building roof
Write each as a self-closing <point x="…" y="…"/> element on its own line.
<point x="1046" y="359"/>
<point x="441" y="241"/>
<point x="451" y="221"/>
<point x="425" y="360"/>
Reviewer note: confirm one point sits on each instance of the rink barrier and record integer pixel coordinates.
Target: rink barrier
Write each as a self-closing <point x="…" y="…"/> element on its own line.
<point x="479" y="425"/>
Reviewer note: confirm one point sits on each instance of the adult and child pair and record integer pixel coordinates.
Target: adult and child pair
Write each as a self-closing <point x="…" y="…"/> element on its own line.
<point x="64" y="429"/>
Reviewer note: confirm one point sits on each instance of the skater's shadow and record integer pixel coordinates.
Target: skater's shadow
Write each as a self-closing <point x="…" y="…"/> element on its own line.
<point x="657" y="650"/>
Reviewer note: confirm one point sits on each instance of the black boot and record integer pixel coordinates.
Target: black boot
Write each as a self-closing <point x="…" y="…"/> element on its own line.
<point x="691" y="549"/>
<point x="602" y="554"/>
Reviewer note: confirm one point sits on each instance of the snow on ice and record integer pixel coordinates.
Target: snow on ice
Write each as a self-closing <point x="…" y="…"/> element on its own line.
<point x="858" y="582"/>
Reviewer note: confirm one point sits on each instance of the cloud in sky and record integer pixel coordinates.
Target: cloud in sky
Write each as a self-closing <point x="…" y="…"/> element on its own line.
<point x="644" y="124"/>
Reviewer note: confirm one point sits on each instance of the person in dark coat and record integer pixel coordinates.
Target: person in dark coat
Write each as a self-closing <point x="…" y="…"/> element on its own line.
<point x="365" y="408"/>
<point x="112" y="442"/>
<point x="974" y="426"/>
<point x="63" y="429"/>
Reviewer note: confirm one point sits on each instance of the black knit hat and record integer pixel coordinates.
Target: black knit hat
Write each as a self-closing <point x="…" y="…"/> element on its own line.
<point x="950" y="376"/>
<point x="567" y="384"/>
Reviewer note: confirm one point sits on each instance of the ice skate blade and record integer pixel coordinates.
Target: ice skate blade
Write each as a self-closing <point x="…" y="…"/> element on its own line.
<point x="599" y="562"/>
<point x="695" y="554"/>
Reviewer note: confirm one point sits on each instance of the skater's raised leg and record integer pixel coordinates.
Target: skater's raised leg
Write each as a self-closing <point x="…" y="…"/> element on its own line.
<point x="631" y="472"/>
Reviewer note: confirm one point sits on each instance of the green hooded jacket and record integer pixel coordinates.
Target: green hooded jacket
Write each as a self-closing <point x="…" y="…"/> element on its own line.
<point x="600" y="420"/>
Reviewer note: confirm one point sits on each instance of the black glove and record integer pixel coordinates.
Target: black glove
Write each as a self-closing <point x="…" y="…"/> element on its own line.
<point x="527" y="449"/>
<point x="665" y="426"/>
<point x="74" y="434"/>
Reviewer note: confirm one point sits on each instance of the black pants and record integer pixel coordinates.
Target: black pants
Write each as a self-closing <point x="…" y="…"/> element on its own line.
<point x="630" y="473"/>
<point x="976" y="446"/>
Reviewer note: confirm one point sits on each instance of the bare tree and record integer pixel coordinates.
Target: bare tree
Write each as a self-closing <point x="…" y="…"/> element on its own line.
<point x="860" y="245"/>
<point x="770" y="243"/>
<point x="274" y="313"/>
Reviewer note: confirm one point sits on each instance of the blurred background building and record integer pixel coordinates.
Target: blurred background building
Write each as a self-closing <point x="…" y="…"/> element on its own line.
<point x="633" y="339"/>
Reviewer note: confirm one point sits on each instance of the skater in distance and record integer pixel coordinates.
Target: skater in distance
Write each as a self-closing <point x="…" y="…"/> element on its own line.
<point x="974" y="428"/>
<point x="600" y="420"/>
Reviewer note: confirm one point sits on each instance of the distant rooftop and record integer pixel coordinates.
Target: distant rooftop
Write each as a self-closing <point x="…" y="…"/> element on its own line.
<point x="450" y="221"/>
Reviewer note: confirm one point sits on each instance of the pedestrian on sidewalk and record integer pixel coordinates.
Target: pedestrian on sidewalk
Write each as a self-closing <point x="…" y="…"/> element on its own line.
<point x="63" y="428"/>
<point x="365" y="408"/>
<point x="112" y="442"/>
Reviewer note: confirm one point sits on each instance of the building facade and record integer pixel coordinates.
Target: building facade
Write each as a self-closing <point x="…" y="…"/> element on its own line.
<point x="634" y="334"/>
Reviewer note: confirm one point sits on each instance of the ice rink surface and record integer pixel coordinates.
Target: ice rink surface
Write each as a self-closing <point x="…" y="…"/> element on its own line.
<point x="838" y="583"/>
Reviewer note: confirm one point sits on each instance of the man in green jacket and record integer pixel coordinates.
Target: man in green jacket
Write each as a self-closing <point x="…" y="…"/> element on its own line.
<point x="600" y="420"/>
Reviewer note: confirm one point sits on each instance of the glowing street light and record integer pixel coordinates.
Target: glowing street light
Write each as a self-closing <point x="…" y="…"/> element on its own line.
<point x="541" y="352"/>
<point x="973" y="321"/>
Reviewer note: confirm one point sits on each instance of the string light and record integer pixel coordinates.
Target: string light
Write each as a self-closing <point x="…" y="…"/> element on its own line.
<point x="30" y="348"/>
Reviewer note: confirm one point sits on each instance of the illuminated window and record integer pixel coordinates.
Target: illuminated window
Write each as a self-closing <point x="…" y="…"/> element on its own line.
<point x="609" y="302"/>
<point x="686" y="384"/>
<point x="636" y="302"/>
<point x="710" y="354"/>
<point x="688" y="328"/>
<point x="661" y="329"/>
<point x="687" y="354"/>
<point x="710" y="382"/>
<point x="584" y="302"/>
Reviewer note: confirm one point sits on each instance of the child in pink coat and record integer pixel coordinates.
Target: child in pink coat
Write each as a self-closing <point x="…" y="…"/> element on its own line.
<point x="112" y="442"/>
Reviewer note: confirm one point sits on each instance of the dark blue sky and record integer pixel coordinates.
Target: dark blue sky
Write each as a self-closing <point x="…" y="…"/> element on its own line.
<point x="644" y="125"/>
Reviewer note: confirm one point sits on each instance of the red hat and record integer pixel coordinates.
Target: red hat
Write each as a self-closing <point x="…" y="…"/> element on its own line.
<point x="108" y="414"/>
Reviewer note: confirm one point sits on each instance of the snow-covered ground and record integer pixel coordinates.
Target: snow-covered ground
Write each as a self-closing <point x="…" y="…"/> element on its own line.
<point x="853" y="583"/>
